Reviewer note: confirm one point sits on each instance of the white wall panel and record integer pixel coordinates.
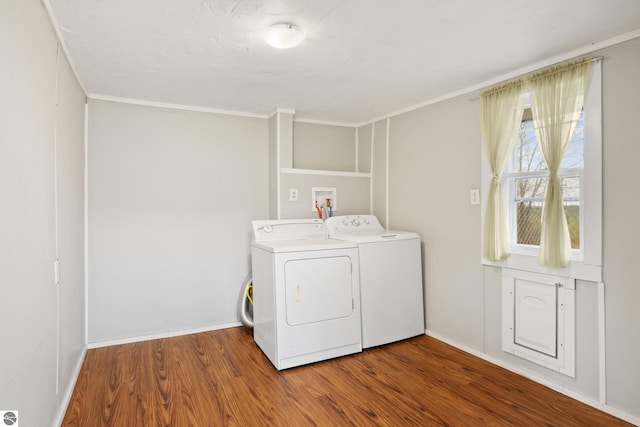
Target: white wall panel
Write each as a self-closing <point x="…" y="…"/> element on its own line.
<point x="352" y="194"/>
<point x="621" y="151"/>
<point x="28" y="318"/>
<point x="171" y="197"/>
<point x="274" y="177"/>
<point x="324" y="147"/>
<point x="379" y="172"/>
<point x="70" y="125"/>
<point x="364" y="149"/>
<point x="434" y="161"/>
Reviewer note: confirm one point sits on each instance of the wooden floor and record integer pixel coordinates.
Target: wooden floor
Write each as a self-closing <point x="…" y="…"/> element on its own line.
<point x="221" y="378"/>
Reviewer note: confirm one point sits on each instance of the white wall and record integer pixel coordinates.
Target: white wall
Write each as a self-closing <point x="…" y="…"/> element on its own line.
<point x="32" y="119"/>
<point x="364" y="149"/>
<point x="273" y="167"/>
<point x="379" y="170"/>
<point x="434" y="161"/>
<point x="621" y="151"/>
<point x="352" y="194"/>
<point x="324" y="147"/>
<point x="70" y="157"/>
<point x="171" y="198"/>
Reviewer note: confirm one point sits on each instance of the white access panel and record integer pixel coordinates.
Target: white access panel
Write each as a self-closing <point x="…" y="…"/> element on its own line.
<point x="327" y="294"/>
<point x="536" y="316"/>
<point x="538" y="319"/>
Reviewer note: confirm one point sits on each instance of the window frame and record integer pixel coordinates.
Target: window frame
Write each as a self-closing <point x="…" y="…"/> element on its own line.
<point x="586" y="265"/>
<point x="509" y="185"/>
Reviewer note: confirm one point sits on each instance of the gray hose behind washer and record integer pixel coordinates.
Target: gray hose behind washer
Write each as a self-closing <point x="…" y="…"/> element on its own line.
<point x="246" y="309"/>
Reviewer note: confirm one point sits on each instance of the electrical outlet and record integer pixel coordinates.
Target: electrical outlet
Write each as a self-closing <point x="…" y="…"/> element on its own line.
<point x="475" y="196"/>
<point x="293" y="194"/>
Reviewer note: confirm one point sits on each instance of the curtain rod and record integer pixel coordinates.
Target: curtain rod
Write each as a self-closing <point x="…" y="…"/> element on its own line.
<point x="594" y="59"/>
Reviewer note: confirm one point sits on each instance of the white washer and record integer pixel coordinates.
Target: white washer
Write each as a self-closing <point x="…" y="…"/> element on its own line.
<point x="390" y="278"/>
<point x="306" y="293"/>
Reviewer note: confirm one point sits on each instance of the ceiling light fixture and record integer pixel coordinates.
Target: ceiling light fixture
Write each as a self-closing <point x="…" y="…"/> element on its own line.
<point x="284" y="36"/>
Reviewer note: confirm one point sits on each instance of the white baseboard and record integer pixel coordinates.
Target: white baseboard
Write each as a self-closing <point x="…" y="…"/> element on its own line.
<point x="540" y="380"/>
<point x="99" y="344"/>
<point x="66" y="399"/>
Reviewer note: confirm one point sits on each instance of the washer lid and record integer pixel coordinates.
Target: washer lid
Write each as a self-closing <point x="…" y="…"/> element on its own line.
<point x="372" y="236"/>
<point x="363" y="228"/>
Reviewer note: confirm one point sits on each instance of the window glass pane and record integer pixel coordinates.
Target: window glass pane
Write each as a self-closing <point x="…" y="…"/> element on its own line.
<point x="527" y="188"/>
<point x="571" y="195"/>
<point x="526" y="155"/>
<point x="570" y="187"/>
<point x="574" y="157"/>
<point x="572" y="211"/>
<point x="529" y="195"/>
<point x="528" y="227"/>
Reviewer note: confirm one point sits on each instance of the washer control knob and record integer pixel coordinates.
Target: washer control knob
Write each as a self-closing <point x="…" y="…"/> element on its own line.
<point x="345" y="222"/>
<point x="366" y="221"/>
<point x="267" y="228"/>
<point x="355" y="222"/>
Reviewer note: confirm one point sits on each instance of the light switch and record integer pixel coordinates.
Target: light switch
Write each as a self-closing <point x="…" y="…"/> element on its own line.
<point x="475" y="196"/>
<point x="293" y="194"/>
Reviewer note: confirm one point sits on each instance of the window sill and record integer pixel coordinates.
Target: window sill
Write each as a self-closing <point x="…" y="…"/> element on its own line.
<point x="575" y="269"/>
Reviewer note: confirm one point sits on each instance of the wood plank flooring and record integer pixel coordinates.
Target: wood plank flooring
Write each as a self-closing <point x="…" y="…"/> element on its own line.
<point x="221" y="378"/>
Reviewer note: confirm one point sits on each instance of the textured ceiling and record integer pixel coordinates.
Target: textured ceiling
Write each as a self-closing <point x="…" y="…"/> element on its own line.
<point x="363" y="59"/>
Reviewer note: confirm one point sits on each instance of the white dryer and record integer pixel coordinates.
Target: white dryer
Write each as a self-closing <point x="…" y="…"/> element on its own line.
<point x="390" y="278"/>
<point x="306" y="293"/>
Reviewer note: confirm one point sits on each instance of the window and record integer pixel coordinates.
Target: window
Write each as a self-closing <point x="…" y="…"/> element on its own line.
<point x="525" y="181"/>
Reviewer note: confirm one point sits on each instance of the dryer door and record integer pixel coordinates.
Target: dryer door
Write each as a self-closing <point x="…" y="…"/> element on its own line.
<point x="318" y="289"/>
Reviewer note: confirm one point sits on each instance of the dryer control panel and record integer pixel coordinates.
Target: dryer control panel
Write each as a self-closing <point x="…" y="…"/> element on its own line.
<point x="301" y="229"/>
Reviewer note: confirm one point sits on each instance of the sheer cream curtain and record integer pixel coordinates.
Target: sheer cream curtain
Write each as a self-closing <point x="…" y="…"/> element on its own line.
<point x="557" y="98"/>
<point x="500" y="116"/>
